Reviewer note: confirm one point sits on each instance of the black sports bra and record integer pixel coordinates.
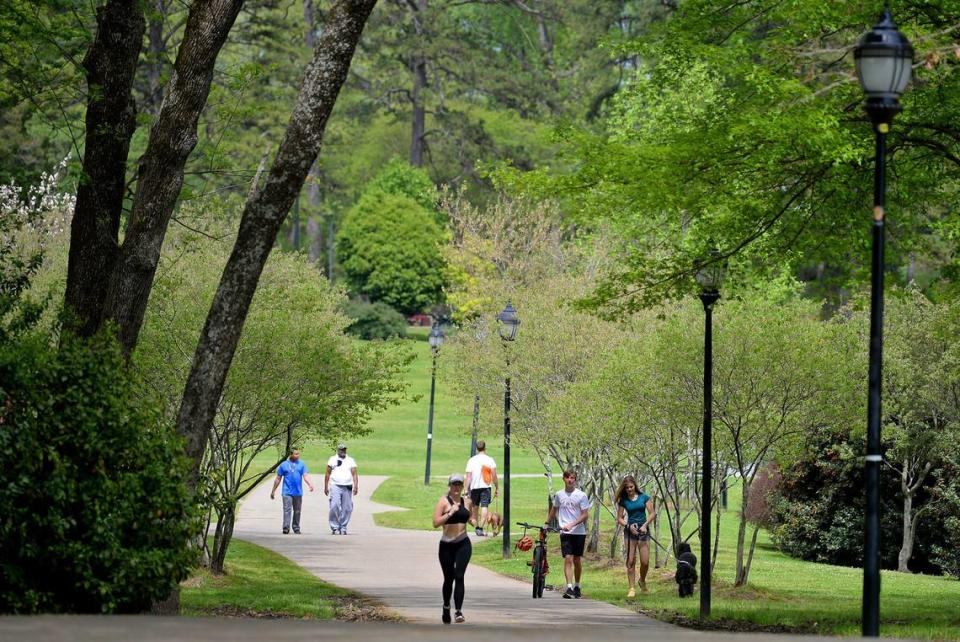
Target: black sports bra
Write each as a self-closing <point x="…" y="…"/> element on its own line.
<point x="462" y="516"/>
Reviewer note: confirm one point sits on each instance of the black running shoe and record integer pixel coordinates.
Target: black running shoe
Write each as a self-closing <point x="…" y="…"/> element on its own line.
<point x="458" y="616"/>
<point x="568" y="594"/>
<point x="576" y="592"/>
<point x="446" y="615"/>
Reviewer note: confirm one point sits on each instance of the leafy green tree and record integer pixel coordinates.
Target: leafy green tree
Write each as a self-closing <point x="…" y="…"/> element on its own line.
<point x="921" y="412"/>
<point x="390" y="249"/>
<point x="740" y="127"/>
<point x="296" y="375"/>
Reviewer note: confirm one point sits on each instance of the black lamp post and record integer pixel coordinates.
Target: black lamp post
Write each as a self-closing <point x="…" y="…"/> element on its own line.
<point x="508" y="323"/>
<point x="884" y="60"/>
<point x="435" y="339"/>
<point x="710" y="277"/>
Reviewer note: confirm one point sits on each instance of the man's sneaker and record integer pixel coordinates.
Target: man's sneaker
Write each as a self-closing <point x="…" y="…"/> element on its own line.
<point x="446" y="615"/>
<point x="458" y="616"/>
<point x="568" y="594"/>
<point x="576" y="592"/>
<point x="286" y="531"/>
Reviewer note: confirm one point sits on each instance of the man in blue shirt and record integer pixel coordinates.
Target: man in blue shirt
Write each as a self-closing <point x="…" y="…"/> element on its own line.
<point x="293" y="472"/>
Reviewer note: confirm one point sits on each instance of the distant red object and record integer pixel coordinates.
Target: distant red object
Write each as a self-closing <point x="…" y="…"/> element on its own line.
<point x="420" y="320"/>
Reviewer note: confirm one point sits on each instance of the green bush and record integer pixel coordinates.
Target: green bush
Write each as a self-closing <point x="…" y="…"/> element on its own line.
<point x="374" y="320"/>
<point x="95" y="515"/>
<point x="390" y="249"/>
<point x="819" y="509"/>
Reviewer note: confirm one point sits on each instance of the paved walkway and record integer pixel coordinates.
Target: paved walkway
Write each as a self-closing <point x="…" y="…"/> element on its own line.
<point x="400" y="569"/>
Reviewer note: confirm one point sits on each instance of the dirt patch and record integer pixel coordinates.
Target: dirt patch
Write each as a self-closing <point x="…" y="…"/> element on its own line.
<point x="360" y="609"/>
<point x="735" y="626"/>
<point x="236" y="612"/>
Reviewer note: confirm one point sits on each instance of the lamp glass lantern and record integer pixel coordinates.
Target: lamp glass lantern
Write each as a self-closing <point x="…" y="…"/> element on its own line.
<point x="884" y="59"/>
<point x="508" y="322"/>
<point x="711" y="274"/>
<point x="435" y="338"/>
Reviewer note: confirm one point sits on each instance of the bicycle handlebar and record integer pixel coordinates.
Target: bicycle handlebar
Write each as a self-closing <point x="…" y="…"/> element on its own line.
<point x="538" y="527"/>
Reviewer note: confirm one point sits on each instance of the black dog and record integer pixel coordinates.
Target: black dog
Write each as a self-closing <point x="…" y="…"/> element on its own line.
<point x="686" y="570"/>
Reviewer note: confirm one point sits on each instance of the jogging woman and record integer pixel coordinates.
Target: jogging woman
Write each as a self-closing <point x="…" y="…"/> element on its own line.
<point x="452" y="513"/>
<point x="635" y="512"/>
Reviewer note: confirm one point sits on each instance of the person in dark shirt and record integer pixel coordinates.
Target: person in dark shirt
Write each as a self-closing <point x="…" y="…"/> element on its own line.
<point x="452" y="513"/>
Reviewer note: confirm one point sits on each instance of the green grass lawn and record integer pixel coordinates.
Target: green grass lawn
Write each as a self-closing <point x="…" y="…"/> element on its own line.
<point x="261" y="583"/>
<point x="783" y="592"/>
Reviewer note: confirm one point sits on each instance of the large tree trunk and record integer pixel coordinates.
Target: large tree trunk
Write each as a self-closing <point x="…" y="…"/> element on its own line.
<point x="262" y="217"/>
<point x="172" y="139"/>
<point x="418" y="68"/>
<point x="910" y="519"/>
<point x="110" y="67"/>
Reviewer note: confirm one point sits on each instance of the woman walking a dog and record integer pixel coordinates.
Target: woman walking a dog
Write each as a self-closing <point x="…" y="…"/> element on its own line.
<point x="635" y="512"/>
<point x="453" y="513"/>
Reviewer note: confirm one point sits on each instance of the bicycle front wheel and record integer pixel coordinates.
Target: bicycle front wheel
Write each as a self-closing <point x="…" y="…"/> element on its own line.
<point x="538" y="578"/>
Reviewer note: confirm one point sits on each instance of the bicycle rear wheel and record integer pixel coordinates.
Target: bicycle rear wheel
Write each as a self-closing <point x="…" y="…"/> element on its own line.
<point x="538" y="578"/>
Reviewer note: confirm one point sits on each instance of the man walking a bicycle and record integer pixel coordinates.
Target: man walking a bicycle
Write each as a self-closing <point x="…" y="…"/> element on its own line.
<point x="571" y="507"/>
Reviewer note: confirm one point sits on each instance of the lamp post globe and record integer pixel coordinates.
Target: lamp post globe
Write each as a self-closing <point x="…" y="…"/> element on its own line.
<point x="884" y="59"/>
<point x="436" y="337"/>
<point x="508" y="322"/>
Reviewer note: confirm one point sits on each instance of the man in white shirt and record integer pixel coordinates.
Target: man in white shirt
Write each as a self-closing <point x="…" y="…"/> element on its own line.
<point x="571" y="507"/>
<point x="481" y="481"/>
<point x="342" y="471"/>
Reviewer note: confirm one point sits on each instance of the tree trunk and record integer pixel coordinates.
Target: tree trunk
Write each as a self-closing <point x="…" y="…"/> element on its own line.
<point x="156" y="48"/>
<point x="742" y="531"/>
<point x="418" y="68"/>
<point x="745" y="574"/>
<point x="226" y="518"/>
<point x="909" y="528"/>
<point x="716" y="539"/>
<point x="593" y="542"/>
<point x="172" y="139"/>
<point x="110" y="67"/>
<point x="262" y="217"/>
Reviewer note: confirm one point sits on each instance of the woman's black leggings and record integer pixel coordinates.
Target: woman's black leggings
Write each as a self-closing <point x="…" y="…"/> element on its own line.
<point x="454" y="557"/>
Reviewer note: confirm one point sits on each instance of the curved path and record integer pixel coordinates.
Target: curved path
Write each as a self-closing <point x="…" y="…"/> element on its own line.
<point x="399" y="568"/>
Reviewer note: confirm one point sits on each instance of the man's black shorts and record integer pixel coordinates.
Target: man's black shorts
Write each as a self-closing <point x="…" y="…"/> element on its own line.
<point x="572" y="544"/>
<point x="480" y="496"/>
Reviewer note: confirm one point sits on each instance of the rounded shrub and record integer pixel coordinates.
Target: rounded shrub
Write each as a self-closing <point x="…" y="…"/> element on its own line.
<point x="95" y="514"/>
<point x="374" y="320"/>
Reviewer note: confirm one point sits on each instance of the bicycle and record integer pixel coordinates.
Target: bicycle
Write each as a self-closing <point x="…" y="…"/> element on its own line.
<point x="538" y="565"/>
